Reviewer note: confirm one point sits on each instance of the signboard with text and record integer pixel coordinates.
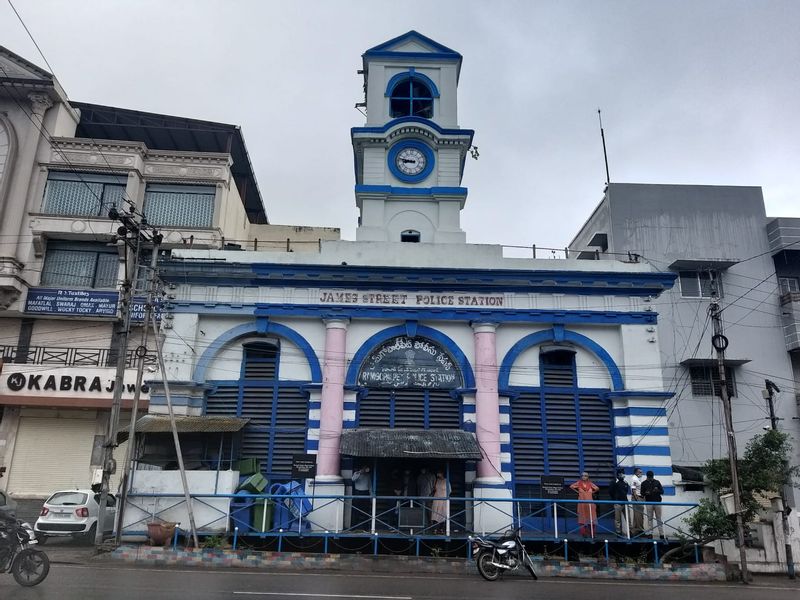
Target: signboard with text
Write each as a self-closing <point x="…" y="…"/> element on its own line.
<point x="552" y="486"/>
<point x="77" y="303"/>
<point x="404" y="362"/>
<point x="304" y="466"/>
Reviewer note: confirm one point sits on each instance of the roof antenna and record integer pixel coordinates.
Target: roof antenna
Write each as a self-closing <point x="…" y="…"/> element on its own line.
<point x="605" y="154"/>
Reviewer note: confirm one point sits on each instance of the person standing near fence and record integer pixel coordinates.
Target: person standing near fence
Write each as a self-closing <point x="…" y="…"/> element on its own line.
<point x="441" y="490"/>
<point x="426" y="481"/>
<point x="618" y="491"/>
<point x="587" y="514"/>
<point x="637" y="522"/>
<point x="362" y="507"/>
<point x="652" y="491"/>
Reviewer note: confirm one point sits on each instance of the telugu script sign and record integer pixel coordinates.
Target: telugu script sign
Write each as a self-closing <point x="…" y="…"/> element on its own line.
<point x="410" y="362"/>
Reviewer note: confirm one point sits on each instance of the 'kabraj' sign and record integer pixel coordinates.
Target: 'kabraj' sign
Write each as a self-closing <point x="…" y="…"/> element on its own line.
<point x="410" y="362"/>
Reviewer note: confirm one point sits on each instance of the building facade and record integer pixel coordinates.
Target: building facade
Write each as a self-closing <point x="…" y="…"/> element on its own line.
<point x="716" y="239"/>
<point x="410" y="333"/>
<point x="63" y="166"/>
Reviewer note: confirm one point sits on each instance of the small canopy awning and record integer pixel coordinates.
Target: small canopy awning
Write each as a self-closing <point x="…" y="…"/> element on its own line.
<point x="410" y="443"/>
<point x="186" y="424"/>
<point x="712" y="362"/>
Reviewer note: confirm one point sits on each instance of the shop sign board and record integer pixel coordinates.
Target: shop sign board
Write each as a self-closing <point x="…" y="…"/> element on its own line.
<point x="76" y="303"/>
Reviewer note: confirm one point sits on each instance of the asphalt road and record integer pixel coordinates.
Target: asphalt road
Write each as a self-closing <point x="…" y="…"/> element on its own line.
<point x="85" y="582"/>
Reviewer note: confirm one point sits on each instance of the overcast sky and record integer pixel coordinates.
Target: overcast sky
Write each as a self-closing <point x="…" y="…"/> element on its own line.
<point x="692" y="92"/>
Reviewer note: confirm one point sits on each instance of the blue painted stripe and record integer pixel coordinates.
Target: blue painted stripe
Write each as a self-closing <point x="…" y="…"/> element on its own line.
<point x="349" y="425"/>
<point x="412" y="73"/>
<point x="505" y="409"/>
<point x="469" y="408"/>
<point x="505" y="428"/>
<point x="643" y="451"/>
<point x="313" y="424"/>
<point x="314" y="405"/>
<point x="415" y="279"/>
<point x="470" y="427"/>
<point x="350" y="405"/>
<point x="392" y="190"/>
<point x="312" y="444"/>
<point x="565" y="317"/>
<point x="640" y="411"/>
<point x="505" y="447"/>
<point x="644" y="430"/>
<point x="639" y="394"/>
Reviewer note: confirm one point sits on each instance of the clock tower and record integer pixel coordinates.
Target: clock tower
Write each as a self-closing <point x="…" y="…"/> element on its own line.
<point x="410" y="153"/>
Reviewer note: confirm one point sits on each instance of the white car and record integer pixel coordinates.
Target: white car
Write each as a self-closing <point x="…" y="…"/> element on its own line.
<point x="73" y="513"/>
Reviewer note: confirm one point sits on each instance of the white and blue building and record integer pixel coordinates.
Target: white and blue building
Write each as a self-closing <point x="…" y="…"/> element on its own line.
<point x="551" y="366"/>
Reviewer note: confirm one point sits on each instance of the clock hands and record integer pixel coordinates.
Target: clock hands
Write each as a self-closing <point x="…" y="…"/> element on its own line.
<point x="409" y="160"/>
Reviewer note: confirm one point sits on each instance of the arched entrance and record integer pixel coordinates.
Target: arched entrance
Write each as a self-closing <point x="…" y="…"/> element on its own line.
<point x="409" y="386"/>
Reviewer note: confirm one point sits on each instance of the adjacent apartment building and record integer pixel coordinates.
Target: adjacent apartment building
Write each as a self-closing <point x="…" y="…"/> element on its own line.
<point x="716" y="239"/>
<point x="63" y="165"/>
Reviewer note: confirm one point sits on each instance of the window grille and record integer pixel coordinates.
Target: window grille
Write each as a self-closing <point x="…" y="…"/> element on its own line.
<point x="84" y="194"/>
<point x="80" y="265"/>
<point x="705" y="381"/>
<point x="179" y="205"/>
<point x="789" y="284"/>
<point x="700" y="284"/>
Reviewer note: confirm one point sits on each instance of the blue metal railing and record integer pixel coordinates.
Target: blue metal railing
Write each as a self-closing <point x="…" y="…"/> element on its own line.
<point x="286" y="515"/>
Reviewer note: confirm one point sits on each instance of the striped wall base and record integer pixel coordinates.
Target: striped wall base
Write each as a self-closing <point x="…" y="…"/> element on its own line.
<point x="159" y="556"/>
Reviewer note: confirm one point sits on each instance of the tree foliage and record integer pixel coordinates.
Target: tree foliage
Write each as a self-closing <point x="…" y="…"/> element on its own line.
<point x="763" y="471"/>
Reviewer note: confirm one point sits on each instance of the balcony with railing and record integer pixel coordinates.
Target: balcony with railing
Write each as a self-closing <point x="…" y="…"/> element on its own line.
<point x="790" y="319"/>
<point x="70" y="357"/>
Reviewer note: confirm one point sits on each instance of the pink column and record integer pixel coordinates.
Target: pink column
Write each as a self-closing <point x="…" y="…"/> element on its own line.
<point x="487" y="401"/>
<point x="330" y="423"/>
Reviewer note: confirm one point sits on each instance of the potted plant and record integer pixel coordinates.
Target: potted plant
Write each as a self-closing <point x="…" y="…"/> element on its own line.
<point x="161" y="532"/>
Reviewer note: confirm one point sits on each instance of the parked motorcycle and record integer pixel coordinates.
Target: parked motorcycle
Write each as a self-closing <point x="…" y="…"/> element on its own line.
<point x="19" y="554"/>
<point x="494" y="558"/>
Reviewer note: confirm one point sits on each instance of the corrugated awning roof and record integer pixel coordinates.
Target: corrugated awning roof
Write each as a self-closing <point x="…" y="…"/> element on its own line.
<point x="213" y="424"/>
<point x="410" y="443"/>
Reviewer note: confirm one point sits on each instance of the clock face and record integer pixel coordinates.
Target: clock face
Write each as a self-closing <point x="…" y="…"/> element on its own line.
<point x="410" y="161"/>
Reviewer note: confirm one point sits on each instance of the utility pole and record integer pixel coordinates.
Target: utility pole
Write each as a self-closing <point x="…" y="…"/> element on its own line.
<point x="769" y="392"/>
<point x="132" y="245"/>
<point x="720" y="343"/>
<point x="141" y="354"/>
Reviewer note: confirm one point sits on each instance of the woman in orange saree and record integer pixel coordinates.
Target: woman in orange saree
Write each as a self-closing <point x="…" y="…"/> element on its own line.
<point x="587" y="514"/>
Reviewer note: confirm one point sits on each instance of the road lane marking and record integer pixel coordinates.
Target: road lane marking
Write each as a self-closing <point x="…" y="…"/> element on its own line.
<point x="309" y="595"/>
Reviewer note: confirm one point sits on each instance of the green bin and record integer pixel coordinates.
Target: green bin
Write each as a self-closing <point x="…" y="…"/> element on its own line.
<point x="255" y="484"/>
<point x="262" y="515"/>
<point x="248" y="466"/>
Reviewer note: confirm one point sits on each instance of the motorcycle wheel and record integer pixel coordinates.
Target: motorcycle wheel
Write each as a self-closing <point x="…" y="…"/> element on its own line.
<point x="30" y="567"/>
<point x="485" y="567"/>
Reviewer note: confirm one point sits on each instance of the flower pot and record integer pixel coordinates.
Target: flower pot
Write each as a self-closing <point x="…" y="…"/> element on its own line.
<point x="160" y="533"/>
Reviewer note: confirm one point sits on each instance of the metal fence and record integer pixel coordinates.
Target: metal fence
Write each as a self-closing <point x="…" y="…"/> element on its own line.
<point x="383" y="517"/>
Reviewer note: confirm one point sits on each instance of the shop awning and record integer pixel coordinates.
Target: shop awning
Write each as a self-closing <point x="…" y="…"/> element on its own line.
<point x="186" y="424"/>
<point x="410" y="443"/>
